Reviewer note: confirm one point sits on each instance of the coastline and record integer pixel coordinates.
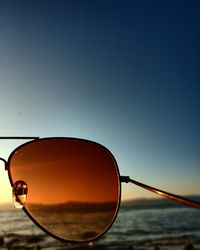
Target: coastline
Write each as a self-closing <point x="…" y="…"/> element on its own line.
<point x="42" y="242"/>
<point x="149" y="227"/>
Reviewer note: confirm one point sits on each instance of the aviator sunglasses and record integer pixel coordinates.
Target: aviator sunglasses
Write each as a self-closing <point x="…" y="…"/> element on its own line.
<point x="69" y="187"/>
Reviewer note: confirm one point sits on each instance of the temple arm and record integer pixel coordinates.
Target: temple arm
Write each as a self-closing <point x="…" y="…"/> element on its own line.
<point x="19" y="138"/>
<point x="178" y="198"/>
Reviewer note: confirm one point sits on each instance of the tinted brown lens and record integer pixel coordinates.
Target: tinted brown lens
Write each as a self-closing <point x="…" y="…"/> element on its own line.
<point x="73" y="186"/>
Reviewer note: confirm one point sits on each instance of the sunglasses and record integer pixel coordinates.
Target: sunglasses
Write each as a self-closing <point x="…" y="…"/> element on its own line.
<point x="69" y="187"/>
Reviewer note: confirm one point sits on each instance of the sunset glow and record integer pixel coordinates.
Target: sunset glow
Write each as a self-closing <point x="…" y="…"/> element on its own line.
<point x="124" y="74"/>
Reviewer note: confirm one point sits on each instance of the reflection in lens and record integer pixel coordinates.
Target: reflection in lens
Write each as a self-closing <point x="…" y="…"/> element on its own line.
<point x="73" y="186"/>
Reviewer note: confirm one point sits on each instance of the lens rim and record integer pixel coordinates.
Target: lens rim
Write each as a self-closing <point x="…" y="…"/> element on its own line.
<point x="34" y="220"/>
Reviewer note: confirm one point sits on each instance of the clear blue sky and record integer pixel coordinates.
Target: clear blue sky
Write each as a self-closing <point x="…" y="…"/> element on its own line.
<point x="123" y="73"/>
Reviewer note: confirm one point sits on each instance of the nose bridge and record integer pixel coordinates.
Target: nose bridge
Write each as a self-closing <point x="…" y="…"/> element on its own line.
<point x="5" y="162"/>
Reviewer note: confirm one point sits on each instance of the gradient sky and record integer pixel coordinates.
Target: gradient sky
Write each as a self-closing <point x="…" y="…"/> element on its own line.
<point x="122" y="73"/>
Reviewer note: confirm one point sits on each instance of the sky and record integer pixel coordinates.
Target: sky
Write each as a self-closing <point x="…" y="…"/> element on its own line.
<point x="122" y="73"/>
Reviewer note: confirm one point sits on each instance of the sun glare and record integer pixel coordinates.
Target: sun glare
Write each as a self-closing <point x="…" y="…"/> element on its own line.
<point x="5" y="193"/>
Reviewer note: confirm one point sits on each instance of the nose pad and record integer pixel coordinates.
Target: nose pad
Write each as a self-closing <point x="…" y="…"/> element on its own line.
<point x="20" y="190"/>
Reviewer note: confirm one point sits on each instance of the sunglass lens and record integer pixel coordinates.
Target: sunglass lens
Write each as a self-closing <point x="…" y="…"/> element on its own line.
<point x="72" y="186"/>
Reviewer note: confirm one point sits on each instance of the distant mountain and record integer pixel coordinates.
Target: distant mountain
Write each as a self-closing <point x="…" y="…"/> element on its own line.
<point x="144" y="203"/>
<point x="155" y="203"/>
<point x="75" y="206"/>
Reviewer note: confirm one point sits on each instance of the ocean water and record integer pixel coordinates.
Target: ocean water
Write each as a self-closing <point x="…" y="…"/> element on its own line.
<point x="168" y="228"/>
<point x="150" y="227"/>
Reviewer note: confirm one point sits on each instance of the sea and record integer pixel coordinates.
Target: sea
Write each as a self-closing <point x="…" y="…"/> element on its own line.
<point x="140" y="228"/>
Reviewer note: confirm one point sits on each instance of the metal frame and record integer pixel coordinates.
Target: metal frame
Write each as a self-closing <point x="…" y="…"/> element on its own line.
<point x="19" y="138"/>
<point x="168" y="195"/>
<point x="36" y="139"/>
<point x="122" y="179"/>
